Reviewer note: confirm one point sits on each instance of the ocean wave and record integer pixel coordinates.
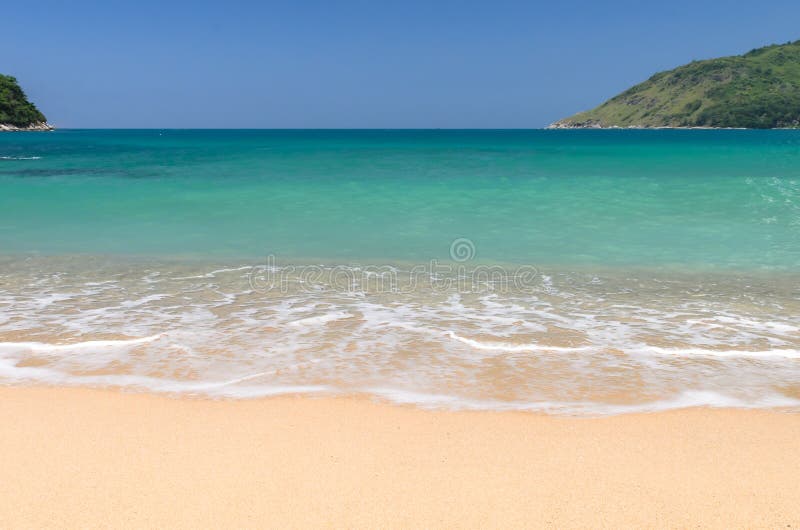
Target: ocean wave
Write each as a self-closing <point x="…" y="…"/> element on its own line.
<point x="707" y="352"/>
<point x="76" y="347"/>
<point x="574" y="348"/>
<point x="686" y="399"/>
<point x="234" y="389"/>
<point x="321" y="319"/>
<point x="498" y="346"/>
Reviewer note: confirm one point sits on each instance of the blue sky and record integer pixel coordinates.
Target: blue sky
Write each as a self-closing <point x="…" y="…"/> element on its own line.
<point x="306" y="64"/>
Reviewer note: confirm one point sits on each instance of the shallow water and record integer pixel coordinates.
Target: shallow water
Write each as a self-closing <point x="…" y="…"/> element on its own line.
<point x="577" y="272"/>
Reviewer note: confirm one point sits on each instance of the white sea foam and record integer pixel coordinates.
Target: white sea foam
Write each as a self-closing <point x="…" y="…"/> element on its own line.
<point x="214" y="273"/>
<point x="321" y="319"/>
<point x="686" y="399"/>
<point x="562" y="349"/>
<point x="227" y="389"/>
<point x="706" y="352"/>
<point x="497" y="346"/>
<point x="76" y="347"/>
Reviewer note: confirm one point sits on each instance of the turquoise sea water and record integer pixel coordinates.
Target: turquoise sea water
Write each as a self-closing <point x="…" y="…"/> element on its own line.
<point x="688" y="198"/>
<point x="665" y="265"/>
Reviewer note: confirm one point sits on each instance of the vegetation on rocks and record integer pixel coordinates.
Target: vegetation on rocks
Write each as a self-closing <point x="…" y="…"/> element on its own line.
<point x="15" y="109"/>
<point x="759" y="90"/>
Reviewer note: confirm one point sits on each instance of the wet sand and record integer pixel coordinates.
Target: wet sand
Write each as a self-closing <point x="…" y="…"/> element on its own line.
<point x="91" y="458"/>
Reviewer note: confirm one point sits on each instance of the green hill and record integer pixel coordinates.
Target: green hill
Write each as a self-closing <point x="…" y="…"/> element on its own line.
<point x="759" y="90"/>
<point x="15" y="109"/>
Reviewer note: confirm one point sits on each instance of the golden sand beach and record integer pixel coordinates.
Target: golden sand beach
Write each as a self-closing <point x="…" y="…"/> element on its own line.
<point x="79" y="458"/>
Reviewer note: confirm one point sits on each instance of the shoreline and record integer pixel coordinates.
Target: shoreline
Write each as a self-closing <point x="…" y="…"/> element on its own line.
<point x="34" y="127"/>
<point x="557" y="126"/>
<point x="84" y="458"/>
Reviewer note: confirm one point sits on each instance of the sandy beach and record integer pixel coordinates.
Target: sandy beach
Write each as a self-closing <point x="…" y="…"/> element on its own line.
<point x="92" y="458"/>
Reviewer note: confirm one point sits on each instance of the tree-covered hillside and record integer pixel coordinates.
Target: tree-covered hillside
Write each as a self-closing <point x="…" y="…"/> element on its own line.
<point x="15" y="109"/>
<point x="760" y="90"/>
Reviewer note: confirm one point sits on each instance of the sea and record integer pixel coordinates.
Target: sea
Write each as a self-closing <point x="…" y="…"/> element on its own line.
<point x="574" y="272"/>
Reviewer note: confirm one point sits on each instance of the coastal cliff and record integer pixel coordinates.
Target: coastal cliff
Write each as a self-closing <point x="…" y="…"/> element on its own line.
<point x="16" y="112"/>
<point x="757" y="90"/>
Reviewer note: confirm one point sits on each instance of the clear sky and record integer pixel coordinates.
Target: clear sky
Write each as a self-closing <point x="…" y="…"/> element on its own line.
<point x="371" y="63"/>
